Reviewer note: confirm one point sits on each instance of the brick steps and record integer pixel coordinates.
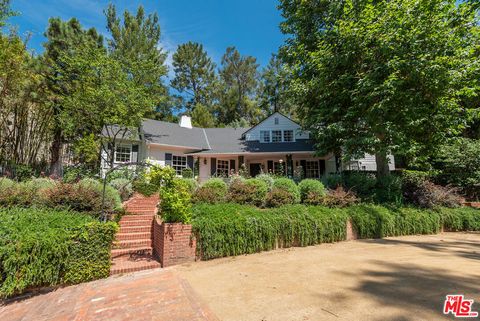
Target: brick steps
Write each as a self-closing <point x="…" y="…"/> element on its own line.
<point x="132" y="251"/>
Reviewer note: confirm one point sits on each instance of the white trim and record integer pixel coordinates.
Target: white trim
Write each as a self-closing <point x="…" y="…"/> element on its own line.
<point x="206" y="138"/>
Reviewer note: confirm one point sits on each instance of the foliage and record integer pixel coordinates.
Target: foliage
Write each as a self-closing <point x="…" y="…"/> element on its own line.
<point x="338" y="197"/>
<point x="388" y="190"/>
<point x="48" y="248"/>
<point x="362" y="183"/>
<point x="231" y="229"/>
<point x="288" y="185"/>
<point x="374" y="221"/>
<point x="382" y="76"/>
<point x="251" y="191"/>
<point x="175" y="202"/>
<point x="72" y="174"/>
<point x="160" y="175"/>
<point x="460" y="219"/>
<point x="267" y="178"/>
<point x="123" y="186"/>
<point x="212" y="191"/>
<point x="459" y="165"/>
<point x="279" y="197"/>
<point x="202" y="116"/>
<point x="194" y="74"/>
<point x="310" y="187"/>
<point x="187" y="173"/>
<point x="192" y="185"/>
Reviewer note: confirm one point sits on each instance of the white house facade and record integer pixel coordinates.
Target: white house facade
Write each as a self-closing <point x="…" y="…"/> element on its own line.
<point x="276" y="143"/>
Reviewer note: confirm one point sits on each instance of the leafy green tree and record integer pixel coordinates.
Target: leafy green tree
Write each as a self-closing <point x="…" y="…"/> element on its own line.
<point x="194" y="74"/>
<point x="135" y="43"/>
<point x="5" y="11"/>
<point x="274" y="92"/>
<point x="202" y="116"/>
<point x="63" y="38"/>
<point x="238" y="85"/>
<point x="382" y="76"/>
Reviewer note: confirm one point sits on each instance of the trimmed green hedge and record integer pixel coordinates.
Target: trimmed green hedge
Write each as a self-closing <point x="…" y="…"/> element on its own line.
<point x="40" y="247"/>
<point x="232" y="229"/>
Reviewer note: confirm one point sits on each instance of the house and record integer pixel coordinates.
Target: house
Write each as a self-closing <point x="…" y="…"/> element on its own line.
<point x="276" y="143"/>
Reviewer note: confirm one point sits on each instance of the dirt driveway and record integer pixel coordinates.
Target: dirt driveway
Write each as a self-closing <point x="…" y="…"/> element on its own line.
<point x="403" y="278"/>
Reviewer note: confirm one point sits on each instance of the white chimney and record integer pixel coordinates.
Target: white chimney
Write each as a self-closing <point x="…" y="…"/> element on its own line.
<point x="185" y="121"/>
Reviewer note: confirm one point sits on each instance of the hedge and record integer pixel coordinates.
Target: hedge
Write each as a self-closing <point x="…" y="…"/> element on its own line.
<point x="232" y="229"/>
<point x="40" y="247"/>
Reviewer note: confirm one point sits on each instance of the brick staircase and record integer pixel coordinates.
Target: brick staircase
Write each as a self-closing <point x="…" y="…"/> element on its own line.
<point x="132" y="250"/>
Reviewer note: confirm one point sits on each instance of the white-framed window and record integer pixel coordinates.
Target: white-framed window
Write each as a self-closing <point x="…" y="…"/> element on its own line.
<point x="265" y="136"/>
<point x="222" y="167"/>
<point x="288" y="135"/>
<point x="276" y="136"/>
<point x="123" y="153"/>
<point x="179" y="163"/>
<point x="312" y="169"/>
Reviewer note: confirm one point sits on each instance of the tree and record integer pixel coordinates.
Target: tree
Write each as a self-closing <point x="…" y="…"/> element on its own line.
<point x="202" y="116"/>
<point x="381" y="76"/>
<point x="274" y="92"/>
<point x="5" y="11"/>
<point x="135" y="43"/>
<point x="63" y="38"/>
<point x="238" y="85"/>
<point x="194" y="74"/>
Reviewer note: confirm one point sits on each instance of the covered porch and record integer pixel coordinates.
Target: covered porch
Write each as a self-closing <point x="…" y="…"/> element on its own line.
<point x="224" y="165"/>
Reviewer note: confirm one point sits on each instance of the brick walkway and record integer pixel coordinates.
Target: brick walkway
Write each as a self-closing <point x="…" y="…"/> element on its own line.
<point x="158" y="294"/>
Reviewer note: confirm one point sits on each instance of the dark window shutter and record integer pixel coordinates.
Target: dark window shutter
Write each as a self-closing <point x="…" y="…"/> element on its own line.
<point x="289" y="166"/>
<point x="190" y="162"/>
<point x="213" y="166"/>
<point x="232" y="165"/>
<point x="270" y="166"/>
<point x="303" y="163"/>
<point x="322" y="166"/>
<point x="168" y="159"/>
<point x="134" y="153"/>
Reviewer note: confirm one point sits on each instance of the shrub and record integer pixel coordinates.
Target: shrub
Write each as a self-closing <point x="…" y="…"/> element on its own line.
<point x="460" y="219"/>
<point x="338" y="197"/>
<point x="192" y="185"/>
<point x="268" y="179"/>
<point x="175" y="204"/>
<point x="72" y="174"/>
<point x="332" y="181"/>
<point x="212" y="191"/>
<point x="251" y="191"/>
<point x="160" y="175"/>
<point x="187" y="173"/>
<point x="388" y="189"/>
<point x="42" y="247"/>
<point x="362" y="183"/>
<point x="145" y="188"/>
<point x="112" y="196"/>
<point x="289" y="186"/>
<point x="123" y="186"/>
<point x="310" y="188"/>
<point x="279" y="197"/>
<point x="232" y="229"/>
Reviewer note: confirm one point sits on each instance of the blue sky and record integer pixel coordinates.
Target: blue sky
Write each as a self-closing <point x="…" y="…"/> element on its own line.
<point x="249" y="25"/>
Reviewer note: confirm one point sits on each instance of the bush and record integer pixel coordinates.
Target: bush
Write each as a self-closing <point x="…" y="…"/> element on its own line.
<point x="268" y="179"/>
<point x="362" y="183"/>
<point x="232" y="229"/>
<point x="175" y="202"/>
<point x="418" y="191"/>
<point x="192" y="185"/>
<point x="279" y="197"/>
<point x="388" y="189"/>
<point x="338" y="197"/>
<point x="187" y="173"/>
<point x="288" y="185"/>
<point x="47" y="248"/>
<point x="251" y="191"/>
<point x="72" y="174"/>
<point x="311" y="188"/>
<point x="460" y="219"/>
<point x="374" y="221"/>
<point x="212" y="191"/>
<point x="123" y="186"/>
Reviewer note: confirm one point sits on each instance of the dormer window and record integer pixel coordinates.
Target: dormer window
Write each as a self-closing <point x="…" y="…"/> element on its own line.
<point x="276" y="120"/>
<point x="276" y="136"/>
<point x="265" y="136"/>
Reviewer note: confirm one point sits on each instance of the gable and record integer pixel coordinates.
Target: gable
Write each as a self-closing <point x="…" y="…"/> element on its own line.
<point x="276" y="121"/>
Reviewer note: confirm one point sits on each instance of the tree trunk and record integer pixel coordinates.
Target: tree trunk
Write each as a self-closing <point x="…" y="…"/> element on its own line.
<point x="382" y="165"/>
<point x="56" y="150"/>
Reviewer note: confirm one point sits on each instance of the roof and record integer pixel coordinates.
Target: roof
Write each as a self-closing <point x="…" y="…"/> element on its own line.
<point x="118" y="132"/>
<point x="204" y="141"/>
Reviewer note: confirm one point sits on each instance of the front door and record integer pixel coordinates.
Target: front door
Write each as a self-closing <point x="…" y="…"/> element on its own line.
<point x="255" y="169"/>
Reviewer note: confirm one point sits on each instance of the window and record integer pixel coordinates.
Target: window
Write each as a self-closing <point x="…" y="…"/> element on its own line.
<point x="276" y="136"/>
<point x="179" y="163"/>
<point x="123" y="153"/>
<point x="265" y="136"/>
<point x="279" y="168"/>
<point x="276" y="120"/>
<point x="222" y="168"/>
<point x="312" y="169"/>
<point x="288" y="135"/>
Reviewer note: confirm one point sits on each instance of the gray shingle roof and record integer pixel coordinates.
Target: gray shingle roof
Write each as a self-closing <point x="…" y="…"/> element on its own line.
<point x="214" y="140"/>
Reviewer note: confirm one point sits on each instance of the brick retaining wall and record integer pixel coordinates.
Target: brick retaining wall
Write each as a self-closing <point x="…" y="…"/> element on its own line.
<point x="173" y="243"/>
